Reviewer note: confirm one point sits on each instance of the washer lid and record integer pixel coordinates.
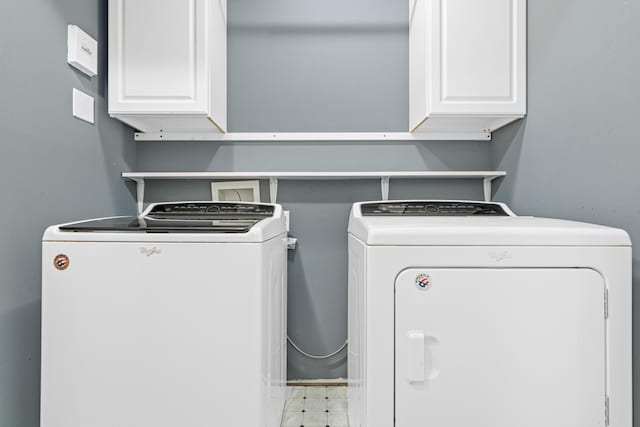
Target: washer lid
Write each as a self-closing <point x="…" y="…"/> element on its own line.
<point x="150" y="225"/>
<point x="249" y="222"/>
<point x="423" y="229"/>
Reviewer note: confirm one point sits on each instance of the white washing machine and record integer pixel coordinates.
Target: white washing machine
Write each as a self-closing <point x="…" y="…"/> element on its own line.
<point x="463" y="314"/>
<point x="173" y="318"/>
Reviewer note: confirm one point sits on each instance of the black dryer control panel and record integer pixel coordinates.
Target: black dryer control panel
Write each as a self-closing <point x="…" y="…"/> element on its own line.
<point x="432" y="208"/>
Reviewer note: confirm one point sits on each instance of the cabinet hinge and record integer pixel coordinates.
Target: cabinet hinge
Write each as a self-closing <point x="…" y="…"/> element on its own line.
<point x="606" y="410"/>
<point x="606" y="304"/>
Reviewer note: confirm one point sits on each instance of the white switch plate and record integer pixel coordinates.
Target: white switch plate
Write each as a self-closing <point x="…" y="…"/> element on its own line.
<point x="83" y="107"/>
<point x="82" y="51"/>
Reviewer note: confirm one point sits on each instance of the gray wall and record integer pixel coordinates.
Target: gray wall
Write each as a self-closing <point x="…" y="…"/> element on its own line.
<point x="318" y="66"/>
<point x="54" y="168"/>
<point x="327" y="66"/>
<point x="576" y="155"/>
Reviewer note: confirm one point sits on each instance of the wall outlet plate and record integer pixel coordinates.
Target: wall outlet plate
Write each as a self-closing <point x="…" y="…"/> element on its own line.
<point x="236" y="191"/>
<point x="83" y="106"/>
<point x="82" y="51"/>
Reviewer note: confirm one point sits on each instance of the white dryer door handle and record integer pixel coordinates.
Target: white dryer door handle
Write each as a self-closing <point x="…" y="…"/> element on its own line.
<point x="415" y="356"/>
<point x="422" y="364"/>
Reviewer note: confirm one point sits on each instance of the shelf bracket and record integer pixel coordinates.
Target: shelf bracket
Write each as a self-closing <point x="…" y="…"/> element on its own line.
<point x="140" y="194"/>
<point x="384" y="187"/>
<point x="273" y="189"/>
<point x="486" y="188"/>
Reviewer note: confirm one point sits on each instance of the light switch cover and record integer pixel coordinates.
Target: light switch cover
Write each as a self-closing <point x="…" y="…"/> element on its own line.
<point x="82" y="51"/>
<point x="83" y="106"/>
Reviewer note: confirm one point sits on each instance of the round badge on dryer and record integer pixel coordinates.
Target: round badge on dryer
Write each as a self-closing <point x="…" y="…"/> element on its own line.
<point x="61" y="262"/>
<point x="423" y="282"/>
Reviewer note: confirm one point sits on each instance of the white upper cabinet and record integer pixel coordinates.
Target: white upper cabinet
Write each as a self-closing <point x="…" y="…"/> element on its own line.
<point x="467" y="64"/>
<point x="167" y="64"/>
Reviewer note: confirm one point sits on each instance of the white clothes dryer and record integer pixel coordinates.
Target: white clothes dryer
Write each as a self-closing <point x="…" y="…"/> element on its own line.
<point x="173" y="318"/>
<point x="464" y="314"/>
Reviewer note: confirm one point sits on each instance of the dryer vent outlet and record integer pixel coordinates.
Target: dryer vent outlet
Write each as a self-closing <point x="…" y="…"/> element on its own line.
<point x="236" y="191"/>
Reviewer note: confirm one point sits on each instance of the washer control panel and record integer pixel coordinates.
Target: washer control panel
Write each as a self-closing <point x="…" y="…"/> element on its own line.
<point x="432" y="208"/>
<point x="199" y="210"/>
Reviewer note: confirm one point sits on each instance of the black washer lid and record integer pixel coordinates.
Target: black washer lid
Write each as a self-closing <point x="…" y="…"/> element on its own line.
<point x="183" y="217"/>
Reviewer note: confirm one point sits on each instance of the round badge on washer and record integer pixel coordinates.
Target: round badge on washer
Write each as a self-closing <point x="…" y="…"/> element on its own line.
<point x="423" y="282"/>
<point x="61" y="262"/>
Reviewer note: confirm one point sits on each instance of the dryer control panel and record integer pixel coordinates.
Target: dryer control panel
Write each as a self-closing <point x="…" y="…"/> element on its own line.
<point x="432" y="208"/>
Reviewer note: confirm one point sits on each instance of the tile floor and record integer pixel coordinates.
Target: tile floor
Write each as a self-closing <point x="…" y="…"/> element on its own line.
<point x="317" y="406"/>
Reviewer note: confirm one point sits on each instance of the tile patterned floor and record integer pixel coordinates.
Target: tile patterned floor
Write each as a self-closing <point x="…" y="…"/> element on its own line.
<point x="316" y="406"/>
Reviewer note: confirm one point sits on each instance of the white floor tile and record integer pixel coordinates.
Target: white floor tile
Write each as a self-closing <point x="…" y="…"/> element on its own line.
<point x="292" y="419"/>
<point x="316" y="401"/>
<point x="337" y="420"/>
<point x="315" y="405"/>
<point x="318" y="419"/>
<point x="337" y="405"/>
<point x="315" y="392"/>
<point x="297" y="392"/>
<point x="338" y="392"/>
<point x="294" y="405"/>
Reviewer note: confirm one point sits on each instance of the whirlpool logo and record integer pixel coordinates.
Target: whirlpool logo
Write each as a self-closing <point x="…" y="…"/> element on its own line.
<point x="500" y="256"/>
<point x="61" y="262"/>
<point x="150" y="251"/>
<point x="423" y="282"/>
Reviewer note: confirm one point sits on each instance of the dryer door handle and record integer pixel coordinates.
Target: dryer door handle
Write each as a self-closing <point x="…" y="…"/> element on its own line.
<point x="415" y="356"/>
<point x="421" y="357"/>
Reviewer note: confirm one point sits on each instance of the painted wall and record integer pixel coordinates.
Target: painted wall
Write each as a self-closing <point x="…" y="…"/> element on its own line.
<point x="330" y="66"/>
<point x="576" y="155"/>
<point x="54" y="168"/>
<point x="318" y="66"/>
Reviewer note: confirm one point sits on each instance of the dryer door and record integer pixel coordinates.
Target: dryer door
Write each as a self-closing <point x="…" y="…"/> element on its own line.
<point x="500" y="348"/>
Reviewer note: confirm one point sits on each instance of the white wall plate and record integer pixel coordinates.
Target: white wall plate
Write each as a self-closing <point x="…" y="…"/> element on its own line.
<point x="83" y="106"/>
<point x="236" y="191"/>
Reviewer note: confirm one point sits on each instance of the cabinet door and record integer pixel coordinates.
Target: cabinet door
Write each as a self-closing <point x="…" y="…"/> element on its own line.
<point x="500" y="348"/>
<point x="478" y="57"/>
<point x="158" y="56"/>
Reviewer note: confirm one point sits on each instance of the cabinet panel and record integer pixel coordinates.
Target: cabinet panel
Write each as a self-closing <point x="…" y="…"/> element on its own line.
<point x="159" y="57"/>
<point x="167" y="64"/>
<point x="467" y="64"/>
<point x="419" y="61"/>
<point x="472" y="32"/>
<point x="160" y="62"/>
<point x="478" y="56"/>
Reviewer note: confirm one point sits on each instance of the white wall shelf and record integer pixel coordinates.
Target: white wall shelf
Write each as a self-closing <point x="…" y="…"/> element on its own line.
<point x="314" y="136"/>
<point x="140" y="178"/>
